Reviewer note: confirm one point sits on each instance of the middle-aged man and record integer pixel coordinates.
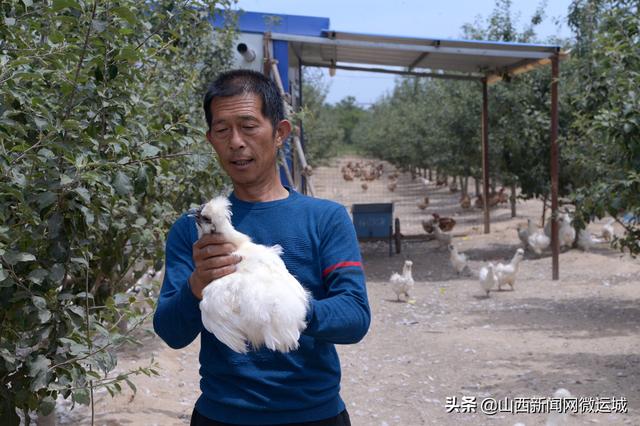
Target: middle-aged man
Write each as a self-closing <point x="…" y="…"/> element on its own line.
<point x="245" y="115"/>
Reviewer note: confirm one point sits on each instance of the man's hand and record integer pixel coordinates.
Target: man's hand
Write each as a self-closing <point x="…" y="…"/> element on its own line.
<point x="213" y="259"/>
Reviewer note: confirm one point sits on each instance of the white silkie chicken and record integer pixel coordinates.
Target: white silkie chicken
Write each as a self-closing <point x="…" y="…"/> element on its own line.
<point x="458" y="260"/>
<point x="585" y="240"/>
<point x="444" y="238"/>
<point x="566" y="232"/>
<point x="608" y="232"/>
<point x="538" y="241"/>
<point x="260" y="303"/>
<point x="488" y="278"/>
<point x="403" y="284"/>
<point x="556" y="418"/>
<point x="524" y="232"/>
<point x="507" y="273"/>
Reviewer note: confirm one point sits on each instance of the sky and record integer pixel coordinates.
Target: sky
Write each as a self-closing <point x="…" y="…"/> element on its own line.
<point x="413" y="18"/>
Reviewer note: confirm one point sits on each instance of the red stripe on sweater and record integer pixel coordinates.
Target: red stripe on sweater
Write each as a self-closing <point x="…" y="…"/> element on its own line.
<point x="330" y="269"/>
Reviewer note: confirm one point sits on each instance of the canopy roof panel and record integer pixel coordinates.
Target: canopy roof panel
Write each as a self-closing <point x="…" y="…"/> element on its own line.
<point x="438" y="57"/>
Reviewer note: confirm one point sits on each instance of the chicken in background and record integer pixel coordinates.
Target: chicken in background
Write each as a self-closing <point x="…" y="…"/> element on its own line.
<point x="566" y="232"/>
<point x="424" y="203"/>
<point x="427" y="224"/>
<point x="402" y="284"/>
<point x="585" y="240"/>
<point x="488" y="278"/>
<point x="524" y="232"/>
<point x="458" y="260"/>
<point x="445" y="223"/>
<point x="465" y="201"/>
<point x="444" y="239"/>
<point x="364" y="186"/>
<point x="538" y="241"/>
<point x="608" y="232"/>
<point x="507" y="273"/>
<point x="260" y="303"/>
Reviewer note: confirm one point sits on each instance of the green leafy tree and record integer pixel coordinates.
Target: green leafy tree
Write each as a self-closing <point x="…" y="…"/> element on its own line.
<point x="605" y="139"/>
<point x="101" y="147"/>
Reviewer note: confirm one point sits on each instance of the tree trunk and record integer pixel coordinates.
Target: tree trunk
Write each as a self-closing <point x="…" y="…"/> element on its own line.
<point x="512" y="199"/>
<point x="430" y="176"/>
<point x="544" y="209"/>
<point x="477" y="186"/>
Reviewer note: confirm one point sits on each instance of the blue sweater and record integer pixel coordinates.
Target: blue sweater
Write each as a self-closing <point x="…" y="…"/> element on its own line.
<point x="267" y="387"/>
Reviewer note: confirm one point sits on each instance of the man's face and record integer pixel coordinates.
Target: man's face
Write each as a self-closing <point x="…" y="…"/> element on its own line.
<point x="244" y="139"/>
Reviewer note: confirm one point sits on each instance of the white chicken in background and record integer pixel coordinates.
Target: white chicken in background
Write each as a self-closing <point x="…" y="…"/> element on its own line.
<point x="523" y="233"/>
<point x="260" y="303"/>
<point x="402" y="284"/>
<point x="458" y="260"/>
<point x="488" y="278"/>
<point x="443" y="238"/>
<point x="507" y="273"/>
<point x="556" y="418"/>
<point x="585" y="240"/>
<point x="566" y="232"/>
<point x="537" y="240"/>
<point x="608" y="232"/>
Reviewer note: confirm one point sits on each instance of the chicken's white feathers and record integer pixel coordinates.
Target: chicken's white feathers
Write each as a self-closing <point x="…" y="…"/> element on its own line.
<point x="488" y="278"/>
<point x="608" y="231"/>
<point x="585" y="240"/>
<point x="506" y="274"/>
<point x="538" y="241"/>
<point x="261" y="303"/>
<point x="443" y="238"/>
<point x="458" y="260"/>
<point x="403" y="284"/>
<point x="566" y="232"/>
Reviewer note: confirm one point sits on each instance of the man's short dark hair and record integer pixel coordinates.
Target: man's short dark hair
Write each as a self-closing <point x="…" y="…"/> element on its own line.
<point x="242" y="81"/>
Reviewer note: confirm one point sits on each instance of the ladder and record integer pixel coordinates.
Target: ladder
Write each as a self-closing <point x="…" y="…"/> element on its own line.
<point x="271" y="67"/>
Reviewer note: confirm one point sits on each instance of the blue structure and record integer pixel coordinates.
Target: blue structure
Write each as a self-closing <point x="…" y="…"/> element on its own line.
<point x="252" y="27"/>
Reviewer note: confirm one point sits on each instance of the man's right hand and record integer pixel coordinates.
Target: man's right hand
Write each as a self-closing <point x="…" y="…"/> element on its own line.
<point x="213" y="259"/>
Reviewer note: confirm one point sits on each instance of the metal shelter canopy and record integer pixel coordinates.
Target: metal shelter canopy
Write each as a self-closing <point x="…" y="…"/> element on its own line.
<point x="439" y="58"/>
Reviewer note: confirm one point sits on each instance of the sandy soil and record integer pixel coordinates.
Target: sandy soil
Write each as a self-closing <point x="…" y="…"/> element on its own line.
<point x="581" y="332"/>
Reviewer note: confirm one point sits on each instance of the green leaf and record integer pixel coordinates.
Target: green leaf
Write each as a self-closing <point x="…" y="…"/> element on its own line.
<point x="3" y="274"/>
<point x="46" y="406"/>
<point x="125" y="14"/>
<point x="149" y="150"/>
<point x="81" y="396"/>
<point x="38" y="370"/>
<point x="122" y="184"/>
<point x="41" y="123"/>
<point x="80" y="260"/>
<point x="131" y="385"/>
<point x="84" y="194"/>
<point x="56" y="37"/>
<point x="128" y="53"/>
<point x="98" y="26"/>
<point x="56" y="273"/>
<point x="46" y="199"/>
<point x="65" y="180"/>
<point x="13" y="257"/>
<point x="37" y="275"/>
<point x="62" y="4"/>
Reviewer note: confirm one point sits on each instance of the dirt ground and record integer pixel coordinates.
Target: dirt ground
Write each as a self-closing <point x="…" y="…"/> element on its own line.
<point x="581" y="332"/>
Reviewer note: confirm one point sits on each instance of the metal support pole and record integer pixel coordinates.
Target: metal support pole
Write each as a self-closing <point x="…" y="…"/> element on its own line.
<point x="555" y="249"/>
<point x="485" y="155"/>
